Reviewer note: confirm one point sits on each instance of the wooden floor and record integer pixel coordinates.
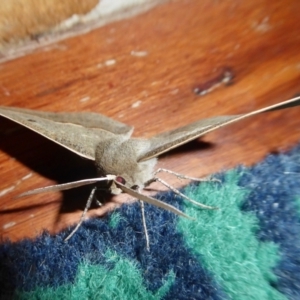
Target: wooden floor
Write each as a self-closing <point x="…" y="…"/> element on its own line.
<point x="149" y="71"/>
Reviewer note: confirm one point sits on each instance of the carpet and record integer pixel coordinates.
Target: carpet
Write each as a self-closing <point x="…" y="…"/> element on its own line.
<point x="248" y="249"/>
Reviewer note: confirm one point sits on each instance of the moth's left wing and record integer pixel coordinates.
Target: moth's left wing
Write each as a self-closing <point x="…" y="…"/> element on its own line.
<point x="85" y="119"/>
<point x="76" y="138"/>
<point x="166" y="141"/>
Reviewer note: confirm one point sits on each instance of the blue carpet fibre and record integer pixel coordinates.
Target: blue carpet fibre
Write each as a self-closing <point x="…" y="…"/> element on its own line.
<point x="248" y="249"/>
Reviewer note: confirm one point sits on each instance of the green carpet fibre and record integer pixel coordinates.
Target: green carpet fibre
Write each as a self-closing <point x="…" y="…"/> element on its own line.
<point x="247" y="249"/>
<point x="229" y="247"/>
<point x="91" y="284"/>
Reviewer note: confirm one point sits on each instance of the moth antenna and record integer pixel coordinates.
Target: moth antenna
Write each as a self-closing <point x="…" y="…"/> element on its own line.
<point x="145" y="225"/>
<point x="182" y="195"/>
<point x="87" y="206"/>
<point x="151" y="200"/>
<point x="66" y="186"/>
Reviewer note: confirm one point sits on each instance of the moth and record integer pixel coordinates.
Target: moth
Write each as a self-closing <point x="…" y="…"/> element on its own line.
<point x="125" y="163"/>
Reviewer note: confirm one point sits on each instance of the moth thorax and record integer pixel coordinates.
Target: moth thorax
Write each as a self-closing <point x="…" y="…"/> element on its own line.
<point x="118" y="157"/>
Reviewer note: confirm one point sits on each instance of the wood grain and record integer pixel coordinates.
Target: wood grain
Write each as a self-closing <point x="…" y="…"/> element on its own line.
<point x="144" y="71"/>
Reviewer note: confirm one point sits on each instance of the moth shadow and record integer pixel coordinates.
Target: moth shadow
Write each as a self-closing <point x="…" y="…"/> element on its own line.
<point x="76" y="198"/>
<point x="48" y="159"/>
<point x="190" y="147"/>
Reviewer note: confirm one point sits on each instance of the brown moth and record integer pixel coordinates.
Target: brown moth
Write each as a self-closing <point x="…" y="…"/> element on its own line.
<point x="126" y="163"/>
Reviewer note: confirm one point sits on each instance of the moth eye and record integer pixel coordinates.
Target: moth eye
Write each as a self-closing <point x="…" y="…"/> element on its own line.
<point x="135" y="187"/>
<point x="120" y="179"/>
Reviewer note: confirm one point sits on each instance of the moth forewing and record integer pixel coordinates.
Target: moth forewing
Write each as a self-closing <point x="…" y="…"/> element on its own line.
<point x="85" y="119"/>
<point x="70" y="136"/>
<point x="166" y="141"/>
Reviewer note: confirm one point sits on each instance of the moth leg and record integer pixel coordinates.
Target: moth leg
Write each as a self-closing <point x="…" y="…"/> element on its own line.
<point x="145" y="225"/>
<point x="180" y="194"/>
<point x="102" y="200"/>
<point x="98" y="203"/>
<point x="181" y="176"/>
<point x="88" y="204"/>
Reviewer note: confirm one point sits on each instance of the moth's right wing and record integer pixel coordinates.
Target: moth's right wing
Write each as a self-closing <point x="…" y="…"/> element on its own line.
<point x="166" y="141"/>
<point x="76" y="138"/>
<point x="85" y="119"/>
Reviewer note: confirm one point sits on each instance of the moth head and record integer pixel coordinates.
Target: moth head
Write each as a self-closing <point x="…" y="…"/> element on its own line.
<point x="114" y="189"/>
<point x="135" y="176"/>
<point x="120" y="180"/>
